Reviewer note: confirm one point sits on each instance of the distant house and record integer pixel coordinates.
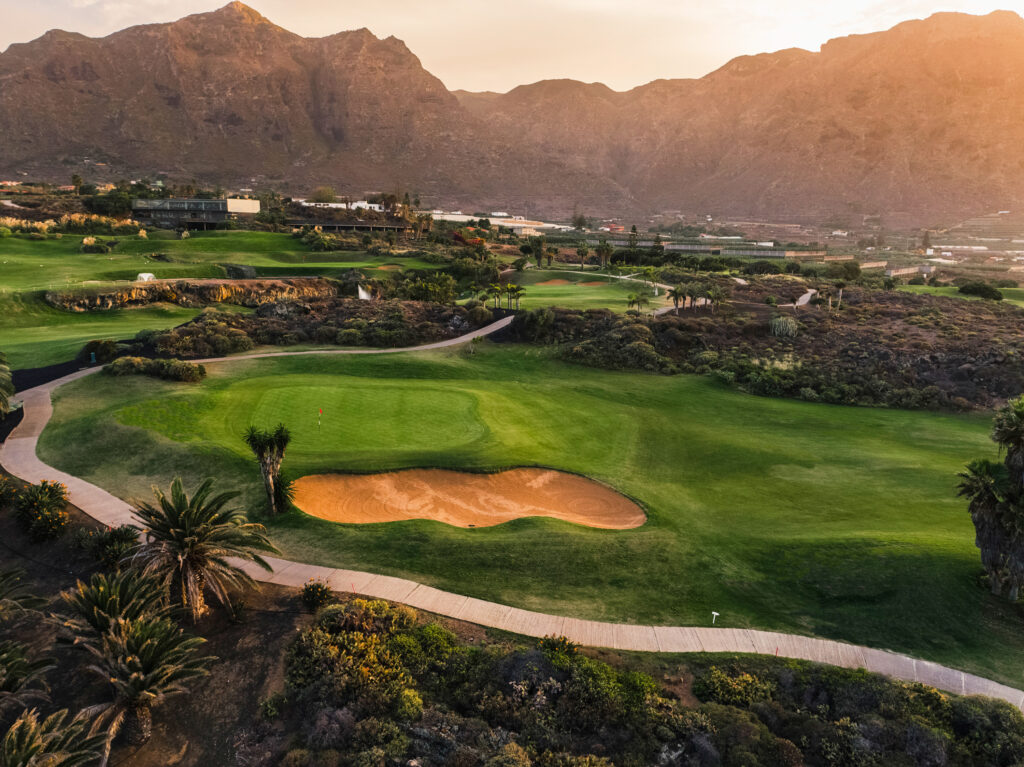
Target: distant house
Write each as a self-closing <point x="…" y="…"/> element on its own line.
<point x="174" y="212"/>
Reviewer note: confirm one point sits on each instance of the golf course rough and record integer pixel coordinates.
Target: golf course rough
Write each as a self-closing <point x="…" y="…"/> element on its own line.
<point x="466" y="499"/>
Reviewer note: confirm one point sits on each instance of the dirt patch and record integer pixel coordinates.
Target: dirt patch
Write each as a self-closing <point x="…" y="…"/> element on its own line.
<point x="554" y="282"/>
<point x="389" y="268"/>
<point x="466" y="500"/>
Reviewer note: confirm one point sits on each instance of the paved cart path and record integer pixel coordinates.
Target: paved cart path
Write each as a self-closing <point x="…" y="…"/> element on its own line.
<point x="18" y="456"/>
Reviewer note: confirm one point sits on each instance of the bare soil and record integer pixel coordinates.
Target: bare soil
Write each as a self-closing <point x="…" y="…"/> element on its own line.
<point x="554" y="282"/>
<point x="466" y="500"/>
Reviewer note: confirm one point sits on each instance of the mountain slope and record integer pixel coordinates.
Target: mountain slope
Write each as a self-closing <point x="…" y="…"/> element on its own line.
<point x="924" y="118"/>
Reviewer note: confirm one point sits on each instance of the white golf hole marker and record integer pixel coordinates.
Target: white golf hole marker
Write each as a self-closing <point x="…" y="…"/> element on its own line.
<point x="714" y="617"/>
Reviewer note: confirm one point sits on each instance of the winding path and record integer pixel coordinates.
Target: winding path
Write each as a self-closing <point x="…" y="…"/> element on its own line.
<point x="18" y="456"/>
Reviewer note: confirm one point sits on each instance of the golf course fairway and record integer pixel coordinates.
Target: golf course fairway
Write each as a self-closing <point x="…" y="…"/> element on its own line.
<point x="834" y="521"/>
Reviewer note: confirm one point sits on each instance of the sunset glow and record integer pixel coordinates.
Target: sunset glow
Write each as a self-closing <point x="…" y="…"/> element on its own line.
<point x="490" y="46"/>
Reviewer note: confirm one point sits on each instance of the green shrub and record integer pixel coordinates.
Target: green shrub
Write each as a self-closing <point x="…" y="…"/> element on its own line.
<point x="367" y="616"/>
<point x="41" y="510"/>
<point x="105" y="351"/>
<point x="4" y="232"/>
<point x="480" y="316"/>
<point x="982" y="290"/>
<point x="783" y="327"/>
<point x="109" y="545"/>
<point x="170" y="370"/>
<point x="8" y="491"/>
<point x="740" y="690"/>
<point x="315" y="594"/>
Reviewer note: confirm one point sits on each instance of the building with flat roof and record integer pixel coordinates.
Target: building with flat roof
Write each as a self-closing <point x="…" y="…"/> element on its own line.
<point x="178" y="212"/>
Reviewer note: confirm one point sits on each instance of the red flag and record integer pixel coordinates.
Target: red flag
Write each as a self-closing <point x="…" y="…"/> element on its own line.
<point x="321" y="411"/>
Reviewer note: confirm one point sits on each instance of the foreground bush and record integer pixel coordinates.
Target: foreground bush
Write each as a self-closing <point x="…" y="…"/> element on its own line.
<point x="41" y="510"/>
<point x="370" y="683"/>
<point x="169" y="370"/>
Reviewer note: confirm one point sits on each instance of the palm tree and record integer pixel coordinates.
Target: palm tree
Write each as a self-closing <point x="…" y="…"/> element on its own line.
<point x="839" y="286"/>
<point x="583" y="250"/>
<point x="14" y="599"/>
<point x="677" y="294"/>
<point x="515" y="293"/>
<point x="269" y="447"/>
<point x="984" y="484"/>
<point x="715" y="296"/>
<point x="604" y="253"/>
<point x="189" y="544"/>
<point x="145" y="661"/>
<point x="95" y="606"/>
<point x="22" y="677"/>
<point x="494" y="291"/>
<point x="54" y="741"/>
<point x="1008" y="433"/>
<point x="6" y="387"/>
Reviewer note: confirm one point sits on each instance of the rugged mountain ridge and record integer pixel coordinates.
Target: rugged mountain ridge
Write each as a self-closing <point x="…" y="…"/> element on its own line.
<point x="924" y="118"/>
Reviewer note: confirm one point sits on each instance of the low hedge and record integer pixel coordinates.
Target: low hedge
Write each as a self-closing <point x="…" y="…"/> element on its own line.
<point x="170" y="370"/>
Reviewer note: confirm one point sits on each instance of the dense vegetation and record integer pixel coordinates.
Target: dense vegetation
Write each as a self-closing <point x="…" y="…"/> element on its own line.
<point x="875" y="348"/>
<point x="368" y="683"/>
<point x="326" y="321"/>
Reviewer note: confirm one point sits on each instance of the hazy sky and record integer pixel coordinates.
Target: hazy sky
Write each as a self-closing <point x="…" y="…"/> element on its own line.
<point x="487" y="45"/>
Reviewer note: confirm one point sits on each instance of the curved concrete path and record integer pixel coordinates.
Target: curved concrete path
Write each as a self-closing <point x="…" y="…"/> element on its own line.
<point x="18" y="456"/>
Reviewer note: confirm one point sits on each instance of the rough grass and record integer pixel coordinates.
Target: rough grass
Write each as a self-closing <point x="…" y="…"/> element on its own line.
<point x="833" y="521"/>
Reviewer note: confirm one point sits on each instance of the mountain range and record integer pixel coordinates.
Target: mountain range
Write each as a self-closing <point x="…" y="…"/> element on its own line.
<point x="925" y="119"/>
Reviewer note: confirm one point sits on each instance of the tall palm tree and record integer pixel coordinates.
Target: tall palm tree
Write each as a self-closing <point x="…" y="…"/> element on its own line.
<point x="677" y="294"/>
<point x="6" y="386"/>
<point x="269" y="448"/>
<point x="189" y="545"/>
<point x="91" y="608"/>
<point x="494" y="291"/>
<point x="715" y="295"/>
<point x="604" y="253"/>
<point x="55" y="741"/>
<point x="22" y="676"/>
<point x="583" y="250"/>
<point x="145" y="661"/>
<point x="516" y="293"/>
<point x="984" y="484"/>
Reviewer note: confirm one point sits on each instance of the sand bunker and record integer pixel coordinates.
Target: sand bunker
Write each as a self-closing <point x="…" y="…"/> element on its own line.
<point x="554" y="282"/>
<point x="466" y="500"/>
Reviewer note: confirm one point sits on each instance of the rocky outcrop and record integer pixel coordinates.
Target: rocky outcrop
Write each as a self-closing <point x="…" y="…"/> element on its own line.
<point x="921" y="119"/>
<point x="250" y="293"/>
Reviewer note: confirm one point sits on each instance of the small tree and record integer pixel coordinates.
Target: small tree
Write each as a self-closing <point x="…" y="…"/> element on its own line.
<point x="677" y="294"/>
<point x="145" y="662"/>
<point x="269" y="448"/>
<point x="324" y="194"/>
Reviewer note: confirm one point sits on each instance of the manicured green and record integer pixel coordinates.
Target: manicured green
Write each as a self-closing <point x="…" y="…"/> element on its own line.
<point x="577" y="294"/>
<point x="1013" y="296"/>
<point x="840" y="522"/>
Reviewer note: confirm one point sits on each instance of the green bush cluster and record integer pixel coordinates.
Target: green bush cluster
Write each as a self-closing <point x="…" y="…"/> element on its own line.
<point x="315" y="594"/>
<point x="108" y="545"/>
<point x="41" y="510"/>
<point x="982" y="290"/>
<point x="169" y="370"/>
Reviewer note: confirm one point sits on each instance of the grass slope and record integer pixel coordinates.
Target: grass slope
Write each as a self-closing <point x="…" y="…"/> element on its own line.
<point x="1013" y="296"/>
<point x="578" y="293"/>
<point x="833" y="521"/>
<point x="56" y="264"/>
